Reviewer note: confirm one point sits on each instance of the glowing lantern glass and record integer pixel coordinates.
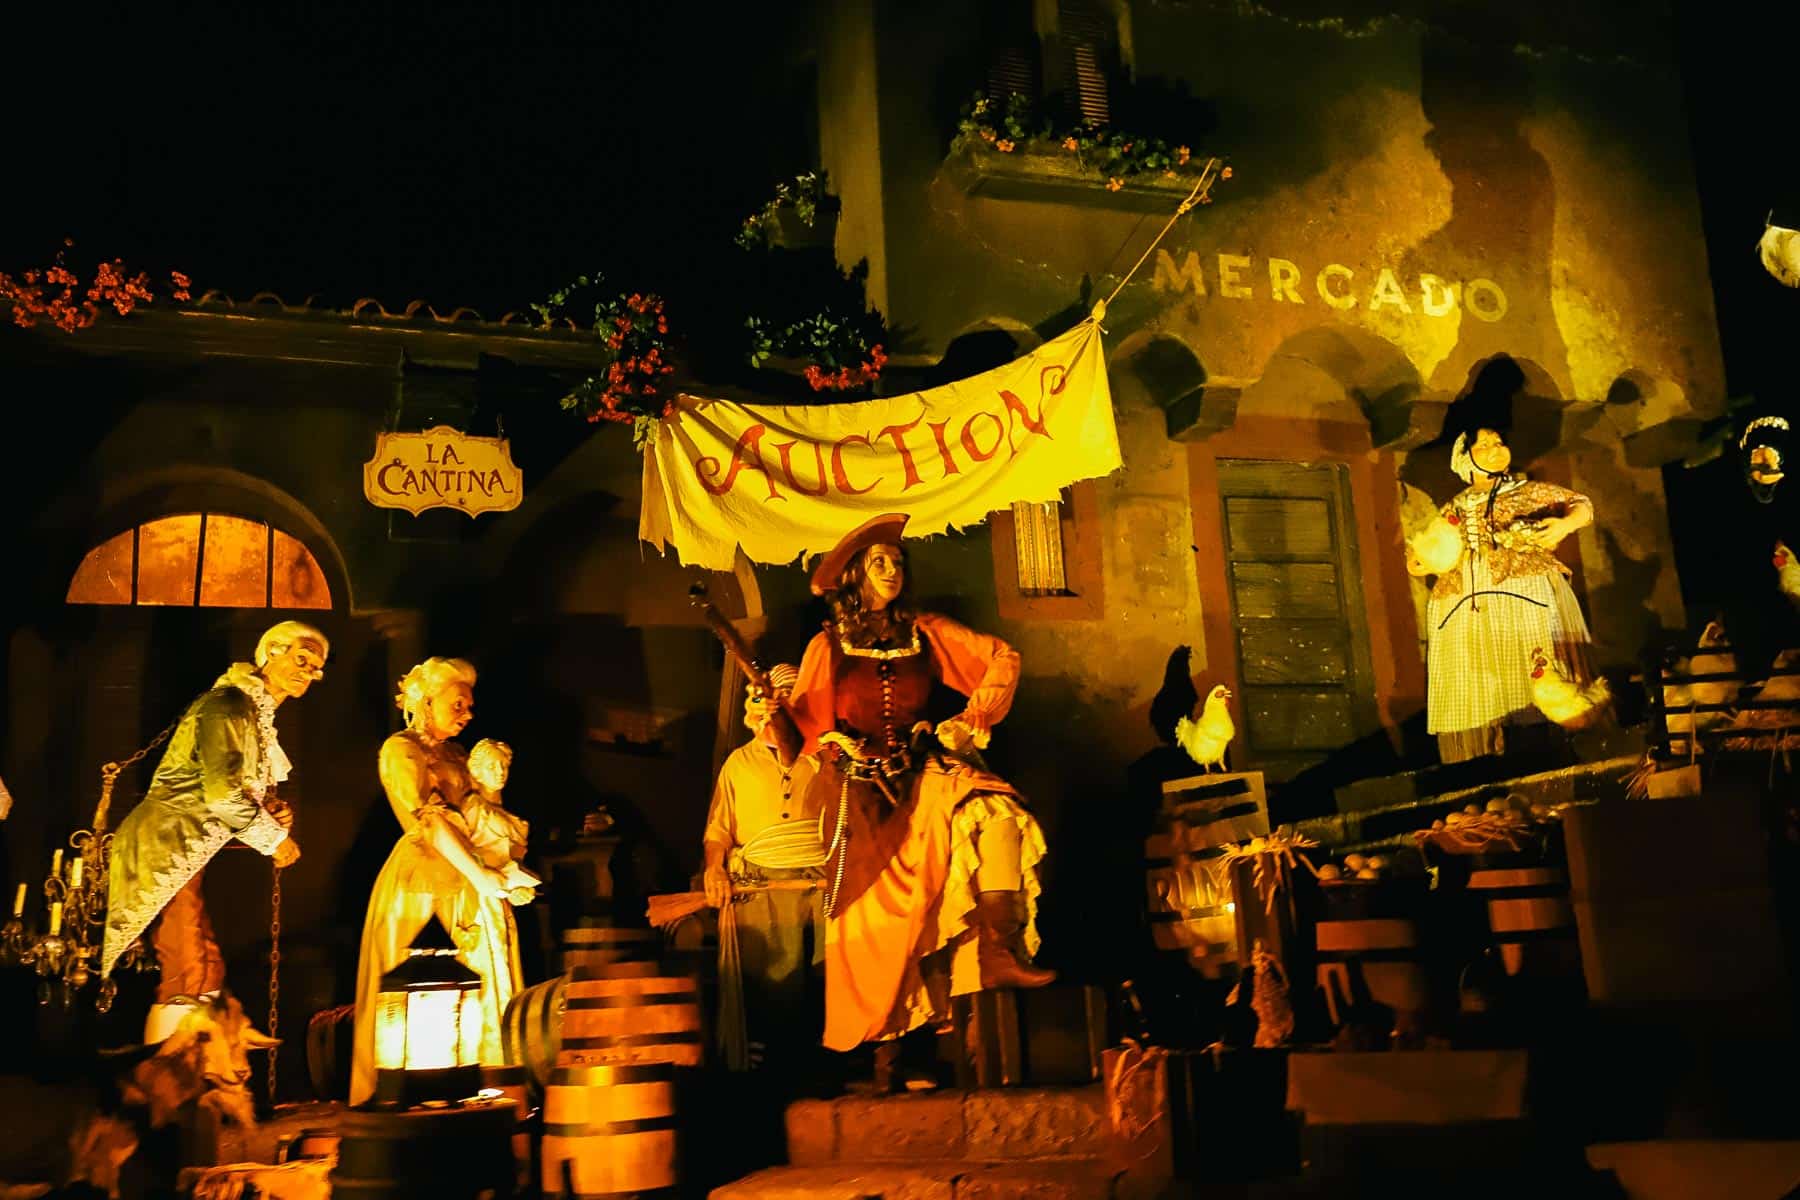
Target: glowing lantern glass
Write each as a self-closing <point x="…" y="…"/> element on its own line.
<point x="428" y="1025"/>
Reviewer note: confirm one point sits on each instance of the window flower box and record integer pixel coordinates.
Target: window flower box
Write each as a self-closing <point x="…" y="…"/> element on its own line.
<point x="1058" y="176"/>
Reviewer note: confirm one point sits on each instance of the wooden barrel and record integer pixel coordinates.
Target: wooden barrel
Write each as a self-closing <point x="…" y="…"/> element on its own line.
<point x="1369" y="947"/>
<point x="531" y="1029"/>
<point x="1530" y="919"/>
<point x="610" y="1131"/>
<point x="598" y="945"/>
<point x="452" y="1153"/>
<point x="613" y="1018"/>
<point x="330" y="1038"/>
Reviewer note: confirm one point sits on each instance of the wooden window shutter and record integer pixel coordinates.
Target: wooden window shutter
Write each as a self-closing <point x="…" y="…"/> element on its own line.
<point x="1089" y="41"/>
<point x="1038" y="548"/>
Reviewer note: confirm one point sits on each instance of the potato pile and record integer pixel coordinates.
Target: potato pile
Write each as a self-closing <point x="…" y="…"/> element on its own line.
<point x="1501" y="810"/>
<point x="1356" y="866"/>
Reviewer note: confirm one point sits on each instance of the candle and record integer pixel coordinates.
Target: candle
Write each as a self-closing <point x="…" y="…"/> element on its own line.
<point x="55" y="917"/>
<point x="75" y="869"/>
<point x="56" y="862"/>
<point x="19" y="901"/>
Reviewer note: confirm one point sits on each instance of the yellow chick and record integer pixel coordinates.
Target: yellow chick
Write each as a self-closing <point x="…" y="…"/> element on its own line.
<point x="1564" y="701"/>
<point x="1206" y="740"/>
<point x="1787" y="572"/>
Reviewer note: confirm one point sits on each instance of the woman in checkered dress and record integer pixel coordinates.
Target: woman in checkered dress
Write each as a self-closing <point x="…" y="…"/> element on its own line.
<point x="1507" y="597"/>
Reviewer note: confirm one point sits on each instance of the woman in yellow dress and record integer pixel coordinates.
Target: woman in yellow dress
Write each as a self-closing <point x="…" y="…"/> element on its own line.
<point x="435" y="869"/>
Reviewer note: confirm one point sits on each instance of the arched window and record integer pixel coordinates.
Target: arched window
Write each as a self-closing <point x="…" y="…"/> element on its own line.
<point x="213" y="560"/>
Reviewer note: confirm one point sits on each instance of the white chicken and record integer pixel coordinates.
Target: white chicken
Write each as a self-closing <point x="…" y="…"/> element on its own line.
<point x="1787" y="573"/>
<point x="1207" y="739"/>
<point x="1571" y="705"/>
<point x="1678" y="698"/>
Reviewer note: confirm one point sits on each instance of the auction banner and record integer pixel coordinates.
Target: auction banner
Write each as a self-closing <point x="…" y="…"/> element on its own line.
<point x="783" y="481"/>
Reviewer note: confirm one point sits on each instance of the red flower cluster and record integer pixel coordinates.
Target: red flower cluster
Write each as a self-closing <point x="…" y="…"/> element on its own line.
<point x="639" y="339"/>
<point x="846" y="379"/>
<point x="50" y="294"/>
<point x="110" y="286"/>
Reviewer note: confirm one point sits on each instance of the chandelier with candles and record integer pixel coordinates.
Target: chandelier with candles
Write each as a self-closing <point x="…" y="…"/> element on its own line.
<point x="66" y="953"/>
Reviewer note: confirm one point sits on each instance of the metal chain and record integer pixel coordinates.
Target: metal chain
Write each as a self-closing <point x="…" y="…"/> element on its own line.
<point x="274" y="977"/>
<point x="109" y="774"/>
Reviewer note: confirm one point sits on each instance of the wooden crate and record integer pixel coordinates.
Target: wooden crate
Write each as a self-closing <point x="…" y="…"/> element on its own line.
<point x="1189" y="901"/>
<point x="1202" y="812"/>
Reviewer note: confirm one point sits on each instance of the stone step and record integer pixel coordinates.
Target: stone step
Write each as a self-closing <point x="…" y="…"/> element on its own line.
<point x="1000" y="1124"/>
<point x="928" y="1179"/>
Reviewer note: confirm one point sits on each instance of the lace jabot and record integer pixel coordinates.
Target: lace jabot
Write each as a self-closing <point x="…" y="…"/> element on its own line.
<point x="272" y="765"/>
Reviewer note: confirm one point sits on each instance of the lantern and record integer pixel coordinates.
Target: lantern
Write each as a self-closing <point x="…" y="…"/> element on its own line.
<point x="428" y="1025"/>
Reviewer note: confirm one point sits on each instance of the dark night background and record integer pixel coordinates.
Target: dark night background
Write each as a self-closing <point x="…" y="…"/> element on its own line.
<point x="481" y="155"/>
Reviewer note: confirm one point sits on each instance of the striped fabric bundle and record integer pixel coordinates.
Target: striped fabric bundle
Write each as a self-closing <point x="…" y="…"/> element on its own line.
<point x="786" y="846"/>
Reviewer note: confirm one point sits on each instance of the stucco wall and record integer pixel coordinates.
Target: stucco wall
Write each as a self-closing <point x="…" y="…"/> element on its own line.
<point x="1409" y="202"/>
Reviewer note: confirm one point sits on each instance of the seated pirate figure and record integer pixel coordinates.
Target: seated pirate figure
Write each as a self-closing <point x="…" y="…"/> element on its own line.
<point x="216" y="782"/>
<point x="763" y="827"/>
<point x="932" y="868"/>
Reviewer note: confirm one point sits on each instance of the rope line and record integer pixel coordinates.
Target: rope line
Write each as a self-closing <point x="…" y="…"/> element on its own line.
<point x="1208" y="175"/>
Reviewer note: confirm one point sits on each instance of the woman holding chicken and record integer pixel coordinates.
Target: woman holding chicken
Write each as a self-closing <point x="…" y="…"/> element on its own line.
<point x="1504" y="601"/>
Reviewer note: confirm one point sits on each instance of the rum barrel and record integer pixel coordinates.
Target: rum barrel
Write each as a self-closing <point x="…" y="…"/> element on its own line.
<point x="618" y="1018"/>
<point x="428" y="1154"/>
<point x="1190" y="904"/>
<point x="598" y="945"/>
<point x="330" y="1038"/>
<point x="1530" y="919"/>
<point x="610" y="1131"/>
<point x="1189" y="913"/>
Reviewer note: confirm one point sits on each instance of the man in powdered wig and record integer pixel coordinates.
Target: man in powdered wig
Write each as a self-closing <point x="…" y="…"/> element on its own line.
<point x="216" y="782"/>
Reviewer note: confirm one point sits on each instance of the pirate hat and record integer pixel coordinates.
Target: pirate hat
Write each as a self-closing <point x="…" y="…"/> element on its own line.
<point x="884" y="530"/>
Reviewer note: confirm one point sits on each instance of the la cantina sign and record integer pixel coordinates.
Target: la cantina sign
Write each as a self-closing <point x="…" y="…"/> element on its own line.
<point x="442" y="468"/>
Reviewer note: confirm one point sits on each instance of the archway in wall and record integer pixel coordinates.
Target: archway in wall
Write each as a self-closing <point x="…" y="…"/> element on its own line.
<point x="139" y="611"/>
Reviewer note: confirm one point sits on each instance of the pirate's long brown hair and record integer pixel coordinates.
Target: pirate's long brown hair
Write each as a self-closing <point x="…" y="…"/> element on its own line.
<point x="861" y="627"/>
